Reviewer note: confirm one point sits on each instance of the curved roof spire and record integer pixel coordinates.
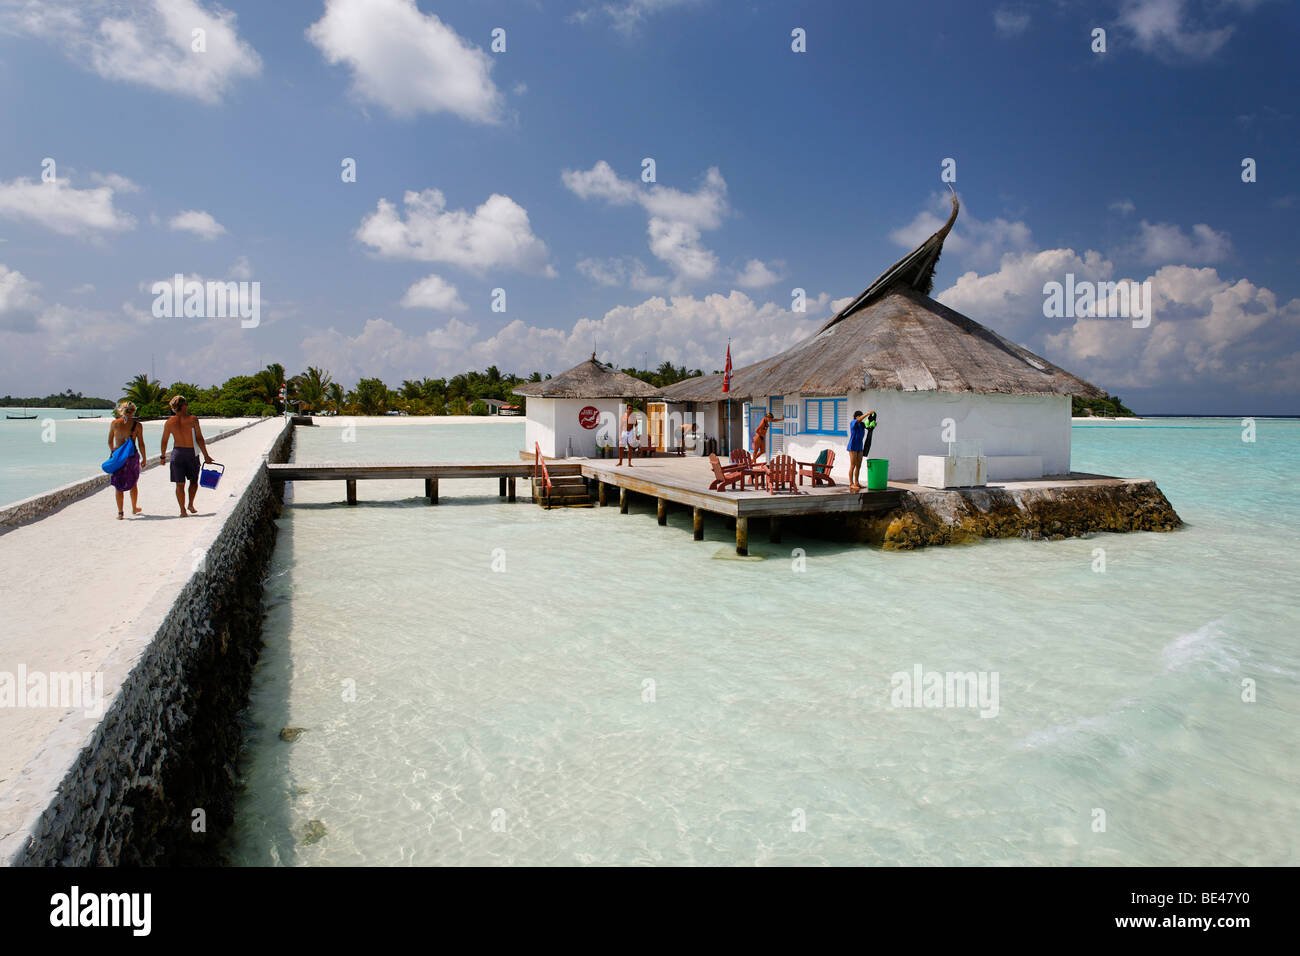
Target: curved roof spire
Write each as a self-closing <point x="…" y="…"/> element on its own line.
<point x="916" y="269"/>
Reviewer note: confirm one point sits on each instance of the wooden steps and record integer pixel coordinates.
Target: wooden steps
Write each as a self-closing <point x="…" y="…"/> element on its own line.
<point x="567" y="491"/>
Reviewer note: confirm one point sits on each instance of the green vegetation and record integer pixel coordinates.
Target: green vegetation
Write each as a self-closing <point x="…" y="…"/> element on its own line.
<point x="315" y="391"/>
<point x="69" y="399"/>
<point x="1108" y="407"/>
<point x="666" y="374"/>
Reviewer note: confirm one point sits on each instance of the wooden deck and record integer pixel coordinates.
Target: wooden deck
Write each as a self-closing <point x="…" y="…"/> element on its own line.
<point x="685" y="481"/>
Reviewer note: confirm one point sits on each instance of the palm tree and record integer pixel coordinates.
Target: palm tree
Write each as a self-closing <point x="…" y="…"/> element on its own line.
<point x="310" y="388"/>
<point x="335" y="398"/>
<point x="142" y="390"/>
<point x="266" y="383"/>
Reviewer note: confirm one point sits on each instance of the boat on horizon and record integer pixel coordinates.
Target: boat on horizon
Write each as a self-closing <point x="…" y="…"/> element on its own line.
<point x="20" y="417"/>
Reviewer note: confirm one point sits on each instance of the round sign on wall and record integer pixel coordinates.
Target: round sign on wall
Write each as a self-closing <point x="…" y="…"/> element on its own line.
<point x="589" y="417"/>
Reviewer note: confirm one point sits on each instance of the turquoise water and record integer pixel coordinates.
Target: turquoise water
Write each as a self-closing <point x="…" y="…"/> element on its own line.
<point x="618" y="693"/>
<point x="57" y="448"/>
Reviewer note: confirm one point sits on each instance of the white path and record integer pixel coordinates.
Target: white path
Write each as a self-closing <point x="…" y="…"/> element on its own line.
<point x="73" y="583"/>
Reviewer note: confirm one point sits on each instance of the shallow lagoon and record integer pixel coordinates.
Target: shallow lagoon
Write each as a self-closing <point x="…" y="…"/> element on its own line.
<point x="57" y="448"/>
<point x="619" y="693"/>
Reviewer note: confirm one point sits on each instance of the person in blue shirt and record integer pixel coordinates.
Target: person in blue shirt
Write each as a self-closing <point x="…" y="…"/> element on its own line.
<point x="860" y="430"/>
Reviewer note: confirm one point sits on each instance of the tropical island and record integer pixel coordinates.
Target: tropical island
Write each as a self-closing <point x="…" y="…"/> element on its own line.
<point x="315" y="391"/>
<point x="68" y="399"/>
<point x="1108" y="407"/>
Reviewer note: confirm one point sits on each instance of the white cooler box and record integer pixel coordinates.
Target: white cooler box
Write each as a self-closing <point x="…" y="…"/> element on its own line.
<point x="951" y="471"/>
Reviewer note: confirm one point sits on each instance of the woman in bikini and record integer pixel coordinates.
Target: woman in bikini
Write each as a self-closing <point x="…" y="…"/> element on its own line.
<point x="124" y="429"/>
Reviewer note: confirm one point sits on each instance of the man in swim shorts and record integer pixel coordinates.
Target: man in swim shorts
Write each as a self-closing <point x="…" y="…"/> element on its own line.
<point x="627" y="434"/>
<point x="184" y="428"/>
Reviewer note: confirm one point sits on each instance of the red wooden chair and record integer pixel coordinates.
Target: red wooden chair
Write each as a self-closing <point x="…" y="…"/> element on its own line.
<point x="725" y="478"/>
<point x="820" y="470"/>
<point x="781" y="473"/>
<point x="744" y="460"/>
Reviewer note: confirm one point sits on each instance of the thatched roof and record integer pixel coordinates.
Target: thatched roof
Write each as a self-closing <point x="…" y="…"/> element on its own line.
<point x="589" y="379"/>
<point x="894" y="336"/>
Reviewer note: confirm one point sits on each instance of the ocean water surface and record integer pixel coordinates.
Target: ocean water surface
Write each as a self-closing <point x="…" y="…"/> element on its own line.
<point x="480" y="682"/>
<point x="57" y="447"/>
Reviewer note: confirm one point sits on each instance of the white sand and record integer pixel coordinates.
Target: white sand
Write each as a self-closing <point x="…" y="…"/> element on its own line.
<point x="75" y="581"/>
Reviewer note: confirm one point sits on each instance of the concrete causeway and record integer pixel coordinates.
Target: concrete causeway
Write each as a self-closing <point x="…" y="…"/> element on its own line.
<point x="82" y="593"/>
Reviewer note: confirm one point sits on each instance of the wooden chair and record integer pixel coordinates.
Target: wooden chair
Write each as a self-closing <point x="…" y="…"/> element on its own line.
<point x="725" y="478"/>
<point x="745" y="461"/>
<point x="820" y="470"/>
<point x="781" y="473"/>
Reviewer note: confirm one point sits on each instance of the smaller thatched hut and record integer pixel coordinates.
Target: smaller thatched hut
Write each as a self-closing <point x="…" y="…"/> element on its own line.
<point x="573" y="412"/>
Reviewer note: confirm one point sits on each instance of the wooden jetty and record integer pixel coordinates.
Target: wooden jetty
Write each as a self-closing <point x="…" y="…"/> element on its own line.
<point x="506" y="472"/>
<point x="669" y="480"/>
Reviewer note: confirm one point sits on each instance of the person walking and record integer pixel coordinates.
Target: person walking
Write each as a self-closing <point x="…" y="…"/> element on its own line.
<point x="127" y="478"/>
<point x="184" y="429"/>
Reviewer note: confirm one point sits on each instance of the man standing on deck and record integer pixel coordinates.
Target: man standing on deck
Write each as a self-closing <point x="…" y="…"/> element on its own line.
<point x="184" y="428"/>
<point x="627" y="433"/>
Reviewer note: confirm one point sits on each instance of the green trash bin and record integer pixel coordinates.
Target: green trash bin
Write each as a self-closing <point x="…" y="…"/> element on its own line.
<point x="877" y="474"/>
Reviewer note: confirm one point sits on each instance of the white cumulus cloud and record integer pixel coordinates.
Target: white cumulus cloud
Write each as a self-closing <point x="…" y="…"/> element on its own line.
<point x="197" y="222"/>
<point x="433" y="292"/>
<point x="757" y="274"/>
<point x="1164" y="242"/>
<point x="406" y="61"/>
<point x="495" y="235"/>
<point x="149" y="42"/>
<point x="676" y="219"/>
<point x="18" y="298"/>
<point x="60" y="207"/>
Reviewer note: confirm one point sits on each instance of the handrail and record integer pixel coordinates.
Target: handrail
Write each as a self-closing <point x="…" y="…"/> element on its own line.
<point x="540" y="462"/>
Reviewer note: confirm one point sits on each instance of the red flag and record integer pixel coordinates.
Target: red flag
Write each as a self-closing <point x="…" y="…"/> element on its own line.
<point x="726" y="375"/>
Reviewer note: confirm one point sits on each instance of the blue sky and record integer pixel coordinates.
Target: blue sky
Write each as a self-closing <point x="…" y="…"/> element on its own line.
<point x="521" y="170"/>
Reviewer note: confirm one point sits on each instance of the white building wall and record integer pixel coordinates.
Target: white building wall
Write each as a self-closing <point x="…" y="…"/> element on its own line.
<point x="912" y="424"/>
<point x="553" y="422"/>
<point x="539" y="426"/>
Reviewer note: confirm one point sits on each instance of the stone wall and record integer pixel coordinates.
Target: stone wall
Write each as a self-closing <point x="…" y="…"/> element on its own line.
<point x="38" y="506"/>
<point x="933" y="517"/>
<point x="168" y="741"/>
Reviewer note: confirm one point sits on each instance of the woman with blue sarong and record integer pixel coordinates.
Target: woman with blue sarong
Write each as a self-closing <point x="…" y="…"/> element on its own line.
<point x="124" y="429"/>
